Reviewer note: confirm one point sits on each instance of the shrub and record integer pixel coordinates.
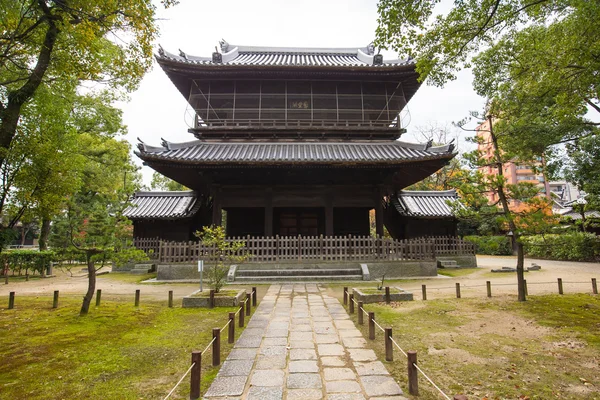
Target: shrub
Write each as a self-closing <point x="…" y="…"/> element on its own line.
<point x="491" y="245"/>
<point x="575" y="246"/>
<point x="26" y="260"/>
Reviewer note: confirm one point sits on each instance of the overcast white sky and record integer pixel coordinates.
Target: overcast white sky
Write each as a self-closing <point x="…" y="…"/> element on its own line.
<point x="157" y="110"/>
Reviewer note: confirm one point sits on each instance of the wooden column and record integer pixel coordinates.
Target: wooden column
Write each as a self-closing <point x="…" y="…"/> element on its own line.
<point x="217" y="213"/>
<point x="378" y="212"/>
<point x="329" y="214"/>
<point x="269" y="212"/>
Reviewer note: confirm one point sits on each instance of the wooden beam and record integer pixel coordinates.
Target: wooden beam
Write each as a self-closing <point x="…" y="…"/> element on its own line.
<point x="378" y="212"/>
<point x="269" y="212"/>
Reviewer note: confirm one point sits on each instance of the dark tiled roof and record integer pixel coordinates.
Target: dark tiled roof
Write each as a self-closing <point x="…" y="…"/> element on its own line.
<point x="162" y="205"/>
<point x="428" y="204"/>
<point x="233" y="55"/>
<point x="269" y="153"/>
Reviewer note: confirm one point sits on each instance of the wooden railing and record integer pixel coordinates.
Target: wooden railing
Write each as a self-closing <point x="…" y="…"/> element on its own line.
<point x="315" y="248"/>
<point x="150" y="245"/>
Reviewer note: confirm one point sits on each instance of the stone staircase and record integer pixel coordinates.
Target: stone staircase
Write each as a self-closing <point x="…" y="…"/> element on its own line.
<point x="141" y="269"/>
<point x="303" y="272"/>
<point x="448" y="264"/>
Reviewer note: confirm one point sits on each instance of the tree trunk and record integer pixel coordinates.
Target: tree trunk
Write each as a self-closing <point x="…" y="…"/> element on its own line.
<point x="87" y="299"/>
<point x="509" y="217"/>
<point x="44" y="233"/>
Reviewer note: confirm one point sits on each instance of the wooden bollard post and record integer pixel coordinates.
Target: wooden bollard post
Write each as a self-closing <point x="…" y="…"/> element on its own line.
<point x="351" y="303"/>
<point x="195" y="375"/>
<point x="137" y="297"/>
<point x="211" y="298"/>
<point x="457" y="290"/>
<point x="560" y="286"/>
<point x="170" y="299"/>
<point x="216" y="347"/>
<point x="248" y="304"/>
<point x="371" y="325"/>
<point x="388" y="299"/>
<point x="389" y="348"/>
<point x="254" y="297"/>
<point x="241" y="316"/>
<point x="594" y="286"/>
<point x="360" y="313"/>
<point x="345" y="296"/>
<point x="489" y="288"/>
<point x="231" y="330"/>
<point x="98" y="297"/>
<point x="55" y="299"/>
<point x="424" y="291"/>
<point x="413" y="377"/>
<point x="11" y="300"/>
<point x="525" y="287"/>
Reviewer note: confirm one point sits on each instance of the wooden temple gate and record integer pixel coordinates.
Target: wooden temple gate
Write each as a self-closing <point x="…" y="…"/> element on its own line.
<point x="313" y="248"/>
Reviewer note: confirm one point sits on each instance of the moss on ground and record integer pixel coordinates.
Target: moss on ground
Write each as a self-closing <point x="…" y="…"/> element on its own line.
<point x="547" y="347"/>
<point x="116" y="352"/>
<point x="457" y="272"/>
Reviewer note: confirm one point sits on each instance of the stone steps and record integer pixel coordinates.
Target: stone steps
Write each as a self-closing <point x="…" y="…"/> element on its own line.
<point x="297" y="272"/>
<point x="448" y="264"/>
<point x="298" y="278"/>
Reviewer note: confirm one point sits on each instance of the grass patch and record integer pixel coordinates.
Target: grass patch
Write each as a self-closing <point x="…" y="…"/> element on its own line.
<point x="497" y="348"/>
<point x="457" y="272"/>
<point x="126" y="277"/>
<point x="116" y="352"/>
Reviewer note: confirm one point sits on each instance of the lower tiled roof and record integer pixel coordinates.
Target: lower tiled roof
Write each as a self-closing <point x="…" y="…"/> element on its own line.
<point x="162" y="205"/>
<point x="267" y="153"/>
<point x="427" y="204"/>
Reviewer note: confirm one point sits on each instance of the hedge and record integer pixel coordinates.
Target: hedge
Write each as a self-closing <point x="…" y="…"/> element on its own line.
<point x="26" y="260"/>
<point x="491" y="245"/>
<point x="575" y="246"/>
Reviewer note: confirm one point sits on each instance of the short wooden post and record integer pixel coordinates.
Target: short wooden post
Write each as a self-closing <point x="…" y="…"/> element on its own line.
<point x="351" y="303"/>
<point x="413" y="378"/>
<point x="389" y="348"/>
<point x="525" y="287"/>
<point x="345" y="296"/>
<point x="55" y="299"/>
<point x="388" y="299"/>
<point x="248" y="304"/>
<point x="98" y="297"/>
<point x="457" y="290"/>
<point x="11" y="300"/>
<point x="424" y="291"/>
<point x="254" y="297"/>
<point x="360" y="313"/>
<point x="560" y="286"/>
<point x="231" y="330"/>
<point x="241" y="316"/>
<point x="216" y="347"/>
<point x="371" y="325"/>
<point x="489" y="288"/>
<point x="195" y="375"/>
<point x="137" y="297"/>
<point x="170" y="299"/>
<point x="594" y="286"/>
<point x="211" y="298"/>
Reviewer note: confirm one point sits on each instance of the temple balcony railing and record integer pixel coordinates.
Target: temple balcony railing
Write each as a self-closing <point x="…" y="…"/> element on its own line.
<point x="312" y="248"/>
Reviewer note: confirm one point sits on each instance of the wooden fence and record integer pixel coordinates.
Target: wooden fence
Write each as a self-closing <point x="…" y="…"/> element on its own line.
<point x="314" y="248"/>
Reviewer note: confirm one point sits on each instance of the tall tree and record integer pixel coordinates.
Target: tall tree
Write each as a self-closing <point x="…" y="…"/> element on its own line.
<point x="161" y="182"/>
<point x="70" y="41"/>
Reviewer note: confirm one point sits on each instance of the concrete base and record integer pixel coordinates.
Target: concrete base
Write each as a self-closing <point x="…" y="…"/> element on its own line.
<point x="462" y="261"/>
<point x="401" y="269"/>
<point x="194" y="301"/>
<point x="396" y="294"/>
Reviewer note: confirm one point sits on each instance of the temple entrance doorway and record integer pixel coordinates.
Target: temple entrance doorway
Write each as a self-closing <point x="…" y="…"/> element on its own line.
<point x="299" y="221"/>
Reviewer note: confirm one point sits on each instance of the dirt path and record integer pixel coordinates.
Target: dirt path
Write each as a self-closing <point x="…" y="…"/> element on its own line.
<point x="472" y="285"/>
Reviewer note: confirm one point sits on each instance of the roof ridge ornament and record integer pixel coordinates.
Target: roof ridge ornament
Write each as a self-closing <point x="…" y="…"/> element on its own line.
<point x="165" y="144"/>
<point x="371" y="48"/>
<point x="217" y="57"/>
<point x="161" y="52"/>
<point x="182" y="54"/>
<point x="224" y="45"/>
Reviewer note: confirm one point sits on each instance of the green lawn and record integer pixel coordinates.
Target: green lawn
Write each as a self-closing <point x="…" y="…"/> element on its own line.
<point x="546" y="348"/>
<point x="116" y="352"/>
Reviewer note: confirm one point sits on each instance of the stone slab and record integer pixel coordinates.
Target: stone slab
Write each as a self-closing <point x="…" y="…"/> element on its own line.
<point x="304" y="381"/>
<point x="342" y="387"/>
<point x="267" y="377"/>
<point x="227" y="386"/>
<point x="303" y="366"/>
<point x="377" y="385"/>
<point x="236" y="368"/>
<point x="265" y="393"/>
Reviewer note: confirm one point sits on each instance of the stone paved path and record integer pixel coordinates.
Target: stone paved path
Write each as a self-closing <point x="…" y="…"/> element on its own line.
<point x="301" y="344"/>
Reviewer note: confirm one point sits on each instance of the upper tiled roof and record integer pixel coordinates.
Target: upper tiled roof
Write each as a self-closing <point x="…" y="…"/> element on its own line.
<point x="431" y="204"/>
<point x="162" y="205"/>
<point x="270" y="153"/>
<point x="235" y="55"/>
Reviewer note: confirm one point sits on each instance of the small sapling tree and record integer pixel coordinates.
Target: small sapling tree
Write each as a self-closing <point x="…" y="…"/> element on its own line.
<point x="222" y="252"/>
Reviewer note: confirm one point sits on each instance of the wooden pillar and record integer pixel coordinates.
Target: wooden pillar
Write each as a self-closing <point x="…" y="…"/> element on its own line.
<point x="379" y="212"/>
<point x="217" y="212"/>
<point x="329" y="215"/>
<point x="269" y="212"/>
